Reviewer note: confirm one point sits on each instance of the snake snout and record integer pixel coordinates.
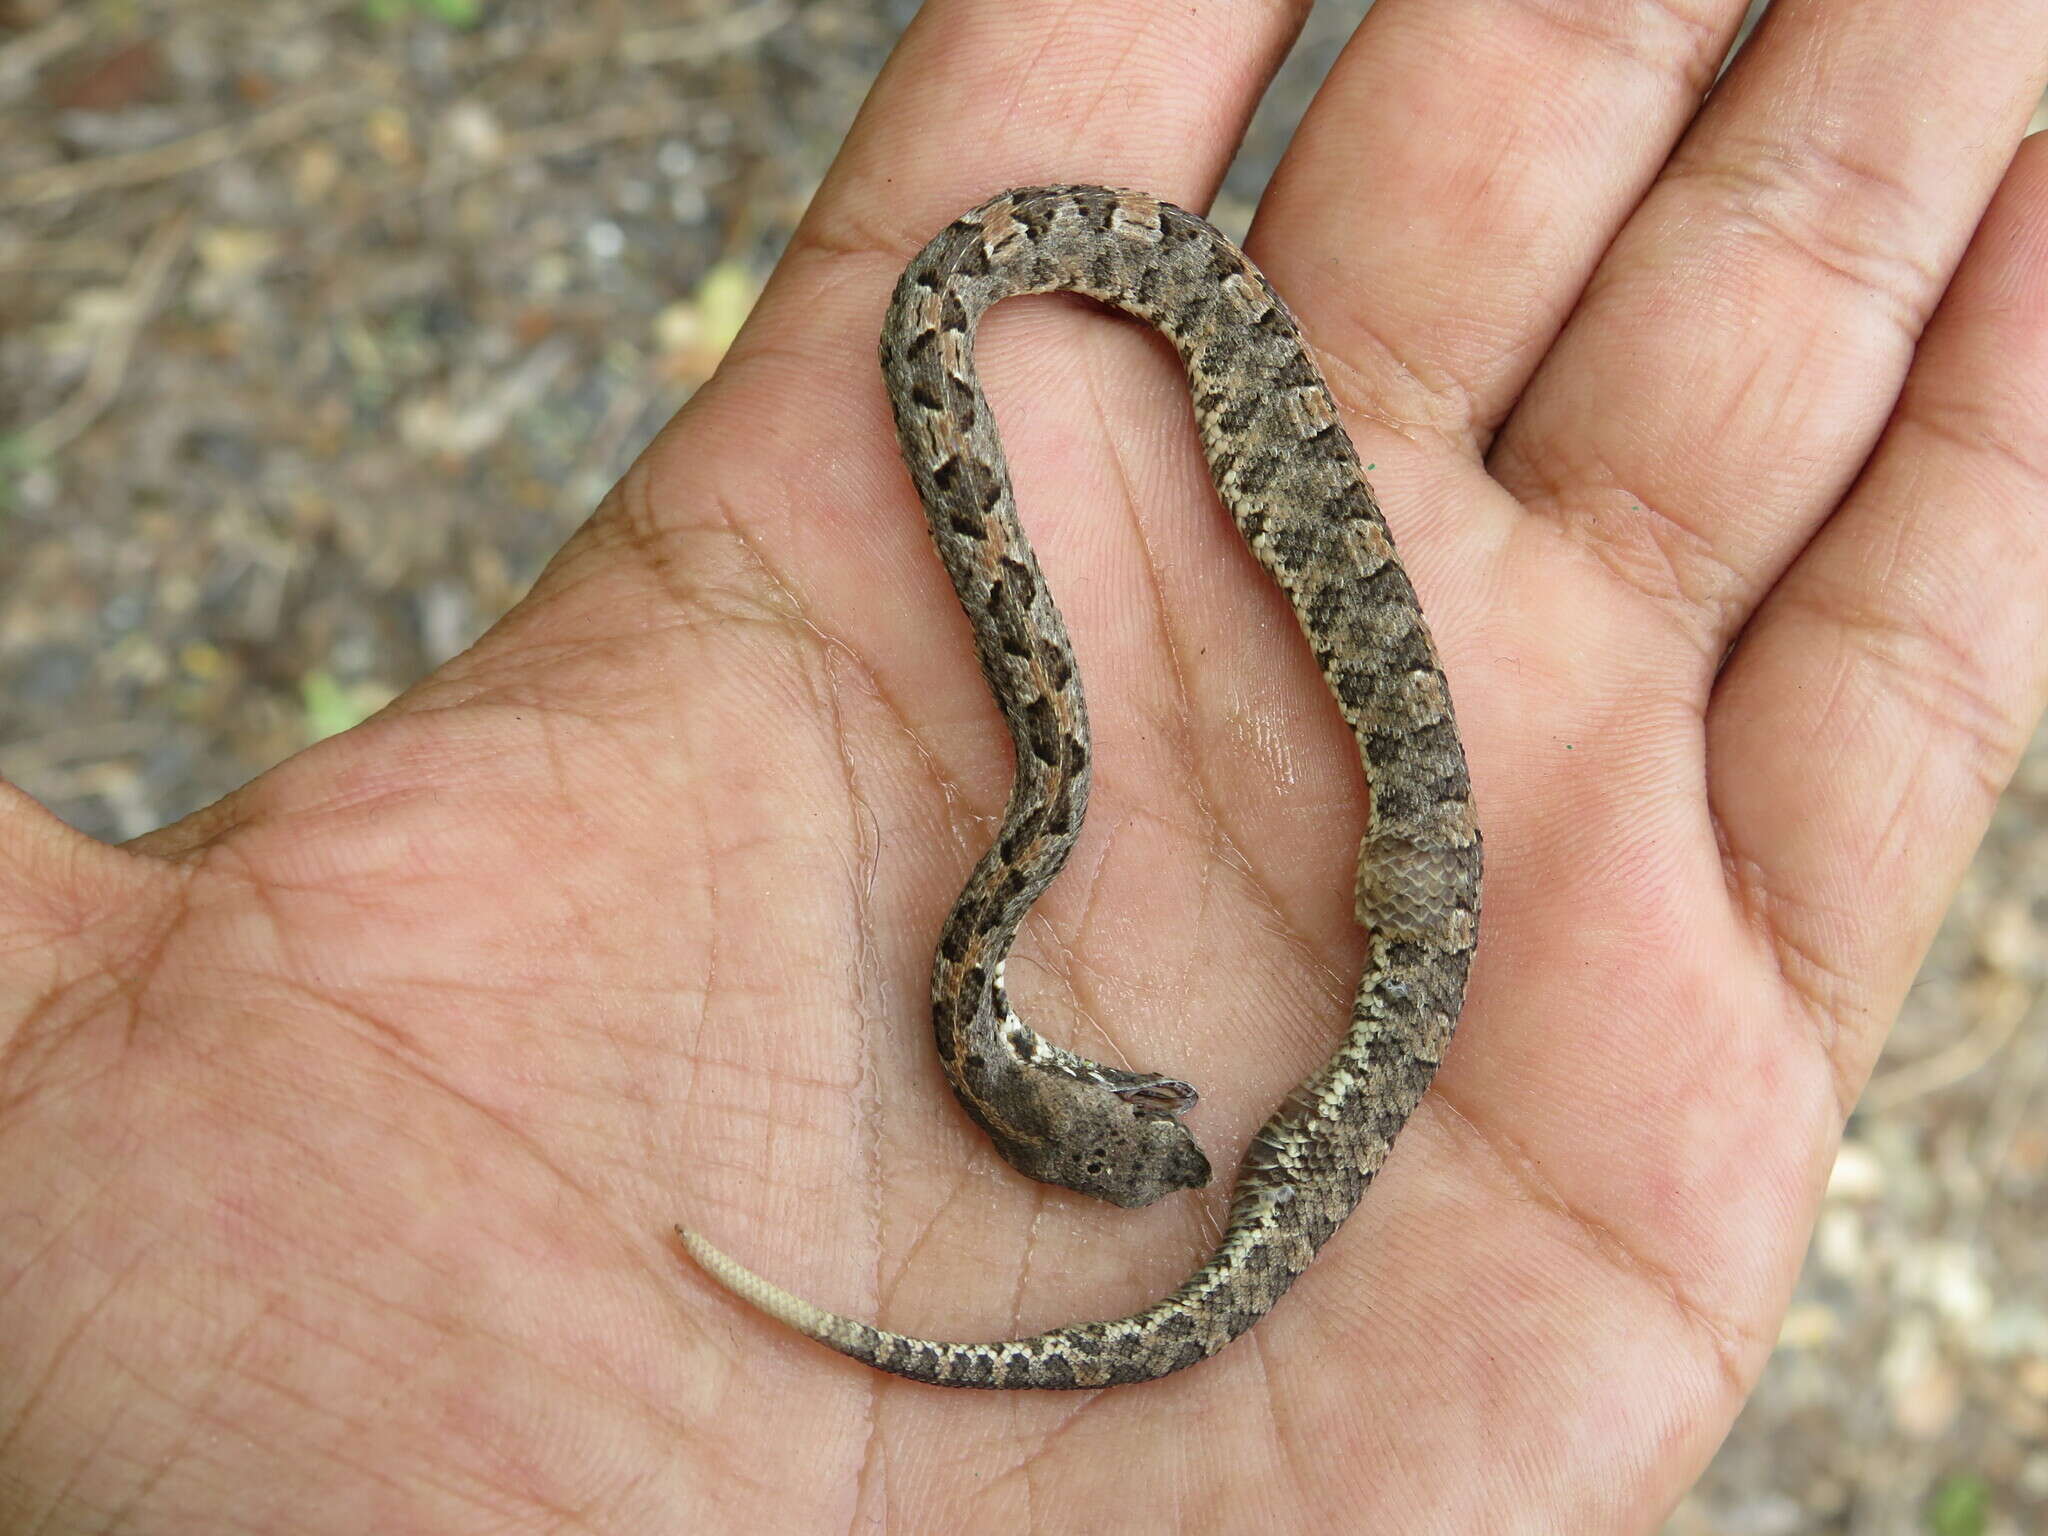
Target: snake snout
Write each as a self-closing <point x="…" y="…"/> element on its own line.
<point x="1140" y="1155"/>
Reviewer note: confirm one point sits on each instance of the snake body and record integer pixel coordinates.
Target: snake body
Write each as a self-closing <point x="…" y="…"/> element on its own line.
<point x="1292" y="481"/>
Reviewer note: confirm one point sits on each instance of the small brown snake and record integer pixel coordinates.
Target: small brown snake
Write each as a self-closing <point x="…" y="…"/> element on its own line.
<point x="1291" y="480"/>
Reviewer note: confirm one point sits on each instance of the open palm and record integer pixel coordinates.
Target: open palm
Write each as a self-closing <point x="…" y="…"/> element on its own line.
<point x="342" y="1126"/>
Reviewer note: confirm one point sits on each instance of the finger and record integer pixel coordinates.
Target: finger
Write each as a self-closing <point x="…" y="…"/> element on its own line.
<point x="1880" y="699"/>
<point x="1441" y="272"/>
<point x="982" y="95"/>
<point x="1739" y="350"/>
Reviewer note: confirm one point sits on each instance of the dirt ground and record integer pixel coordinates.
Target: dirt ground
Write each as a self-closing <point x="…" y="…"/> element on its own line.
<point x="323" y="322"/>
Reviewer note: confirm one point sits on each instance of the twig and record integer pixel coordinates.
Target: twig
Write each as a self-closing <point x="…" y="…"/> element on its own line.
<point x="701" y="41"/>
<point x="29" y="52"/>
<point x="116" y="343"/>
<point x="94" y="255"/>
<point x="1990" y="1035"/>
<point x="2013" y="1101"/>
<point x="52" y="183"/>
<point x="605" y="125"/>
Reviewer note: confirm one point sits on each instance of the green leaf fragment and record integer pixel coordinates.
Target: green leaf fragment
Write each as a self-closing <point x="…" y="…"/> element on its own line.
<point x="1960" y="1506"/>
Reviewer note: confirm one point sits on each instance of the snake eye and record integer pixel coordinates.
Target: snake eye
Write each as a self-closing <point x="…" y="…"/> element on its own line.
<point x="1158" y="1096"/>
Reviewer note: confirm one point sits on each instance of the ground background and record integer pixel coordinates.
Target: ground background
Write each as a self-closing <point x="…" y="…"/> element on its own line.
<point x="324" y="322"/>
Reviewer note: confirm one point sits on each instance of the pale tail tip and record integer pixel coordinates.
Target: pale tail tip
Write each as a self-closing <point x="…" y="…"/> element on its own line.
<point x="728" y="1272"/>
<point x="756" y="1292"/>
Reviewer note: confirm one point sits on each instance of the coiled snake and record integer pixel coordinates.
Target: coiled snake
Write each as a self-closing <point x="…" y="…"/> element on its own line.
<point x="1291" y="479"/>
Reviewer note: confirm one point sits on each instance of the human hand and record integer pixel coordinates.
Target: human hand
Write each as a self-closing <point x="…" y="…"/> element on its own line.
<point x="343" y="1124"/>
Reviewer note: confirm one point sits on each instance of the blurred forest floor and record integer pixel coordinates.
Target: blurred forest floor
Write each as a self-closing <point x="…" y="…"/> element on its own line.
<point x="324" y="322"/>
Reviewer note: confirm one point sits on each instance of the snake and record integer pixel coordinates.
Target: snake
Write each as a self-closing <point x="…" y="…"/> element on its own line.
<point x="1290" y="477"/>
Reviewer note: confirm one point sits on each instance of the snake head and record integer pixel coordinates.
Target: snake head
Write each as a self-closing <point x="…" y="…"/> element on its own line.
<point x="1121" y="1143"/>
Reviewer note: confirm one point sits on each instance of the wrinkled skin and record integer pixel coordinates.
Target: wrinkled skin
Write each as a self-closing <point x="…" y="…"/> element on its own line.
<point x="342" y="1126"/>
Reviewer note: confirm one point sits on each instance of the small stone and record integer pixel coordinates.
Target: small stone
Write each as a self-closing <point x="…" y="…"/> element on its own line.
<point x="314" y="174"/>
<point x="200" y="660"/>
<point x="1809" y="1326"/>
<point x="1766" y="1514"/>
<point x="447" y="622"/>
<point x="2032" y="1377"/>
<point x="390" y="135"/>
<point x="688" y="205"/>
<point x="2016" y="1331"/>
<point x="2033" y="1478"/>
<point x="1947" y="1277"/>
<point x="2009" y="941"/>
<point x="177" y="594"/>
<point x="1920" y="1386"/>
<point x="1838" y="1244"/>
<point x="473" y="132"/>
<point x="234" y="254"/>
<point x="135" y="658"/>
<point x="678" y="328"/>
<point x="549" y="273"/>
<point x="1857" y="1174"/>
